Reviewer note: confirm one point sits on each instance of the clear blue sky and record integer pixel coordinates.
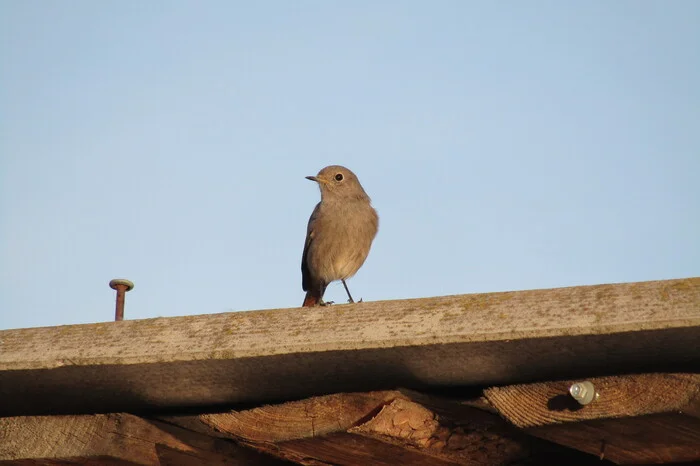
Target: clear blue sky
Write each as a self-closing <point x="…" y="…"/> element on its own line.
<point x="506" y="145"/>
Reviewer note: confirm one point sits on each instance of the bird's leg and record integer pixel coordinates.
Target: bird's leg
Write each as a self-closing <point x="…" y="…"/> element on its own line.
<point x="321" y="302"/>
<point x="350" y="300"/>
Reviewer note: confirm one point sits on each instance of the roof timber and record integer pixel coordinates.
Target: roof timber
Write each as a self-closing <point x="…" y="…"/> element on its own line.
<point x="353" y="429"/>
<point x="286" y="354"/>
<point x="637" y="419"/>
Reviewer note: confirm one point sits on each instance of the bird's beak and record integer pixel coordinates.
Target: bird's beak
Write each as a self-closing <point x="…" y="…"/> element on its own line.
<point x="317" y="179"/>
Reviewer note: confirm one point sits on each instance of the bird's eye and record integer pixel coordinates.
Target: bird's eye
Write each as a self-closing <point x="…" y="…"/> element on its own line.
<point x="339" y="177"/>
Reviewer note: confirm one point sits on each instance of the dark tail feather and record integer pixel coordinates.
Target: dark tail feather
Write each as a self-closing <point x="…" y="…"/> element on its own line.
<point x="311" y="300"/>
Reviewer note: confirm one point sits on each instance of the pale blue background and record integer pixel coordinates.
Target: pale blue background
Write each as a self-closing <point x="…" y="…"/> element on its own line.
<point x="506" y="145"/>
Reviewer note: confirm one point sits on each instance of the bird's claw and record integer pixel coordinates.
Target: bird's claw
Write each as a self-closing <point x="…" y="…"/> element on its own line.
<point x="326" y="303"/>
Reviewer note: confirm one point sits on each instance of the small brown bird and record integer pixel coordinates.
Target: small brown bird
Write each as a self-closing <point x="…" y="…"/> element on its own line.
<point x="339" y="235"/>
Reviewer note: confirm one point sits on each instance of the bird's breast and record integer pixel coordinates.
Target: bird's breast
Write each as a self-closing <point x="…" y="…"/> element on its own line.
<point x="342" y="240"/>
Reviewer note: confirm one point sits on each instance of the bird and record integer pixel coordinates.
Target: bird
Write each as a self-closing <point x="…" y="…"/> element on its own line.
<point x="339" y="234"/>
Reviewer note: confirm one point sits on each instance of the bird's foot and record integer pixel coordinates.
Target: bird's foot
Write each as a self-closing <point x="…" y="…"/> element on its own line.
<point x="326" y="303"/>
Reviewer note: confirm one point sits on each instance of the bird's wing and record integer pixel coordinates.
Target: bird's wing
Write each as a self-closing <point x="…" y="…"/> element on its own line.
<point x="305" y="273"/>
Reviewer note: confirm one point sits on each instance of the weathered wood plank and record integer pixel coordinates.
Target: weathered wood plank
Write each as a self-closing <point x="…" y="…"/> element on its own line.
<point x="117" y="439"/>
<point x="350" y="450"/>
<point x="390" y="427"/>
<point x="269" y="356"/>
<point x="536" y="404"/>
<point x="653" y="439"/>
<point x="637" y="419"/>
<point x="312" y="417"/>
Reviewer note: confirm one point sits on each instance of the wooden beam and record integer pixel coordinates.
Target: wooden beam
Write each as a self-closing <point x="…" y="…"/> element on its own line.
<point x="668" y="438"/>
<point x="121" y="439"/>
<point x="279" y="355"/>
<point x="539" y="404"/>
<point x="383" y="428"/>
<point x="636" y="419"/>
<point x="312" y="417"/>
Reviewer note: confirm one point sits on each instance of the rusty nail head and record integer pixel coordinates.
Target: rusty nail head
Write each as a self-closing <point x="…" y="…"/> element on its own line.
<point x="122" y="286"/>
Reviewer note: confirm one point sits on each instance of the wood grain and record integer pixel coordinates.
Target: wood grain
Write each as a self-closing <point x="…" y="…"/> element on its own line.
<point x="114" y="439"/>
<point x="390" y="427"/>
<point x="637" y="419"/>
<point x="669" y="438"/>
<point x="279" y="355"/>
<point x="536" y="404"/>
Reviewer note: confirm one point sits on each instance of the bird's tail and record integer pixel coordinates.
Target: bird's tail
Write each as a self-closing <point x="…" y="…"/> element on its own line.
<point x="311" y="299"/>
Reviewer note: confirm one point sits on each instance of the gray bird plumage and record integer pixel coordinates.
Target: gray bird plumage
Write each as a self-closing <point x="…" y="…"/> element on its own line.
<point x="339" y="234"/>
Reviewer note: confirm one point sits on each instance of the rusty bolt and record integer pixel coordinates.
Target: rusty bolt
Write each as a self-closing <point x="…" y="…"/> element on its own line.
<point x="583" y="392"/>
<point x="122" y="286"/>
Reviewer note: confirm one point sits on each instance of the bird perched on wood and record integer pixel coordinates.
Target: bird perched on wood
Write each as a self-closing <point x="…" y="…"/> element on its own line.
<point x="339" y="234"/>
